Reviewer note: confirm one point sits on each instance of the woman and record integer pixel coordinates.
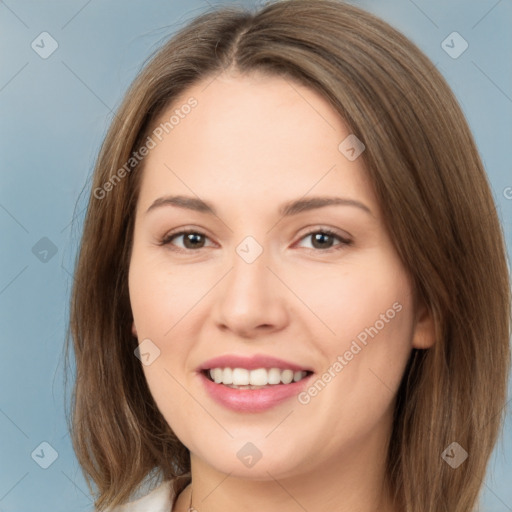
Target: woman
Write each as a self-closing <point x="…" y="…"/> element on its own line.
<point x="292" y="290"/>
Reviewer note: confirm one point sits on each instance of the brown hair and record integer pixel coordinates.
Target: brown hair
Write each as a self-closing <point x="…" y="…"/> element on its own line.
<point x="437" y="205"/>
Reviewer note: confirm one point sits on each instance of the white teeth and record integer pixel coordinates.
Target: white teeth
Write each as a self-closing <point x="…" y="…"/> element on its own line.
<point x="235" y="377"/>
<point x="258" y="377"/>
<point x="217" y="375"/>
<point x="227" y="377"/>
<point x="240" y="376"/>
<point x="286" y="376"/>
<point x="274" y="376"/>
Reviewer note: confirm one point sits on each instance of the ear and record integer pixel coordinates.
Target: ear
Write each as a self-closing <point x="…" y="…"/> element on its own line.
<point x="134" y="330"/>
<point x="424" y="328"/>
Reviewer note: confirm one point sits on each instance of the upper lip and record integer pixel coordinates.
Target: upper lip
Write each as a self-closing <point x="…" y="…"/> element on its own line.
<point x="250" y="363"/>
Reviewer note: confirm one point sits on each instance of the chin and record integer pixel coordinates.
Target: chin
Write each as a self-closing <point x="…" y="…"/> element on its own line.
<point x="253" y="461"/>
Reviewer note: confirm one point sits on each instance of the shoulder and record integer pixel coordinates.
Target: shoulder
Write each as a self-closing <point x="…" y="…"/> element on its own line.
<point x="159" y="499"/>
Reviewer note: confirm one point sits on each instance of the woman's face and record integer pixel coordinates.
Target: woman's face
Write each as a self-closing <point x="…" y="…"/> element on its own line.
<point x="289" y="273"/>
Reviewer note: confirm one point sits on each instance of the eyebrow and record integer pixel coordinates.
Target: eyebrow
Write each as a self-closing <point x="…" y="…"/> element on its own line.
<point x="286" y="210"/>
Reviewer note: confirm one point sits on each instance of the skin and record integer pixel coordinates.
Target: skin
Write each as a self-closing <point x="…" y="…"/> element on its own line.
<point x="251" y="144"/>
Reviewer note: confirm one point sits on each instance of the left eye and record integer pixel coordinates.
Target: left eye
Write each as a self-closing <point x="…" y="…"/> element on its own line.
<point x="321" y="239"/>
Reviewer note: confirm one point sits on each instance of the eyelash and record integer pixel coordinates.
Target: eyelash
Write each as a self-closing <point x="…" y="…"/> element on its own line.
<point x="325" y="231"/>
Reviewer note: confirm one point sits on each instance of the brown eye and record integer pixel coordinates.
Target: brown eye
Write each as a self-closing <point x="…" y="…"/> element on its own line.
<point x="191" y="239"/>
<point x="324" y="239"/>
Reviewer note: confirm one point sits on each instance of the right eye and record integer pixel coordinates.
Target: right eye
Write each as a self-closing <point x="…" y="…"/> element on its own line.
<point x="192" y="240"/>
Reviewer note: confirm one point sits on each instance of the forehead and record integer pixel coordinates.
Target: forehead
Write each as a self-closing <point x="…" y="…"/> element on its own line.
<point x="251" y="137"/>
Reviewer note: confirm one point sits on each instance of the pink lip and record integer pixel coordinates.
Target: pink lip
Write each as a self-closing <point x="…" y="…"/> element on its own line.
<point x="252" y="400"/>
<point x="250" y="363"/>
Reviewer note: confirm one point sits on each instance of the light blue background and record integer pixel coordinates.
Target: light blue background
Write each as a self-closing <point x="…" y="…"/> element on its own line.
<point x="54" y="115"/>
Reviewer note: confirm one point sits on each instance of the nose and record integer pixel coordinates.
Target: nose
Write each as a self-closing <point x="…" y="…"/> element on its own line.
<point x="251" y="300"/>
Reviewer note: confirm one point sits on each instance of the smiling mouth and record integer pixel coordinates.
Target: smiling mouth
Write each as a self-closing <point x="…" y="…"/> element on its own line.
<point x="259" y="378"/>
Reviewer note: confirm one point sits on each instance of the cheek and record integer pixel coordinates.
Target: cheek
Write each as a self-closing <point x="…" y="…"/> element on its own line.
<point x="374" y="326"/>
<point x="159" y="296"/>
<point x="368" y="309"/>
<point x="371" y="292"/>
<point x="161" y="302"/>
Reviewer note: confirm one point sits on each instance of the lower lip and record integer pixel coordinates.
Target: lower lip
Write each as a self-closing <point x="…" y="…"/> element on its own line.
<point x="252" y="400"/>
